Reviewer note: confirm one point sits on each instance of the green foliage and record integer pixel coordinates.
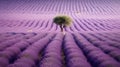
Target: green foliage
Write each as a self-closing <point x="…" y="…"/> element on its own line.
<point x="62" y="20"/>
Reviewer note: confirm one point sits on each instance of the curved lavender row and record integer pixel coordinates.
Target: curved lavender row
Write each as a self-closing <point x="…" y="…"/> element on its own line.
<point x="30" y="56"/>
<point x="96" y="50"/>
<point x="16" y="38"/>
<point x="110" y="42"/>
<point x="11" y="42"/>
<point x="95" y="55"/>
<point x="14" y="35"/>
<point x="79" y="25"/>
<point x="56" y="6"/>
<point x="52" y="53"/>
<point x="110" y="50"/>
<point x="12" y="51"/>
<point x="97" y="45"/>
<point x="74" y="55"/>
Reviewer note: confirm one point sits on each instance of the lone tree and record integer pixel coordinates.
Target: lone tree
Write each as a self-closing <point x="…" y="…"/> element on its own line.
<point x="62" y="21"/>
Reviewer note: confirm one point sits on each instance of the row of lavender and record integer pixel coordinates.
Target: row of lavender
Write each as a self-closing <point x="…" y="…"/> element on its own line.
<point x="79" y="25"/>
<point x="46" y="49"/>
<point x="56" y="50"/>
<point x="61" y="6"/>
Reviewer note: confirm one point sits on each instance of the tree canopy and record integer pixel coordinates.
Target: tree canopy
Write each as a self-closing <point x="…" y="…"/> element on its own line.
<point x="62" y="20"/>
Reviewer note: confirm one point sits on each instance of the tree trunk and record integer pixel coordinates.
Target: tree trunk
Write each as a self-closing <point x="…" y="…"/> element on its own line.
<point x="61" y="27"/>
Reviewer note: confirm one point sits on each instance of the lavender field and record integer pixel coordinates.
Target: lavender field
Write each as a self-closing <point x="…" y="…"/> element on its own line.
<point x="29" y="38"/>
